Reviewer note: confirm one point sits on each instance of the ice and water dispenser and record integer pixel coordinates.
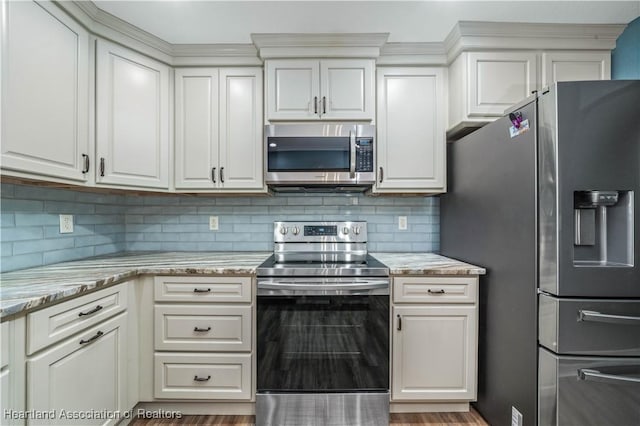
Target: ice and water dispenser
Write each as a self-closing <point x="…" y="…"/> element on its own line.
<point x="603" y="228"/>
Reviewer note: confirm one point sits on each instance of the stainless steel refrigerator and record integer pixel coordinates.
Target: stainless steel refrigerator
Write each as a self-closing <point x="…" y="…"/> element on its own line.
<point x="546" y="198"/>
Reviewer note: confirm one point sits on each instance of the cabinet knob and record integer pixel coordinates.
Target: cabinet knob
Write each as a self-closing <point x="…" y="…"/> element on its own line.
<point x="201" y="379"/>
<point x="315" y="104"/>
<point x="102" y="166"/>
<point x="381" y="174"/>
<point x="213" y="174"/>
<point x="202" y="330"/>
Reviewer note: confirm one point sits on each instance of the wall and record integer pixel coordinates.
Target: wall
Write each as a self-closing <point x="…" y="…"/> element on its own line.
<point x="625" y="58"/>
<point x="30" y="225"/>
<point x="111" y="223"/>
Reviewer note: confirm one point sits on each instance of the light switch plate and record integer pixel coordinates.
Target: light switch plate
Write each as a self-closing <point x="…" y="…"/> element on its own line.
<point x="66" y="223"/>
<point x="402" y="223"/>
<point x="213" y="223"/>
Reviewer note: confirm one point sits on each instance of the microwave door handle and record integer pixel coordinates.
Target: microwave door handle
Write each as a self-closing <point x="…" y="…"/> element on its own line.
<point x="352" y="145"/>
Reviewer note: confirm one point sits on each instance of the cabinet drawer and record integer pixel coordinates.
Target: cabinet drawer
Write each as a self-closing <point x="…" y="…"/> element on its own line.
<point x="203" y="376"/>
<point x="202" y="289"/>
<point x="52" y="324"/>
<point x="4" y="349"/>
<point x="434" y="289"/>
<point x="203" y="328"/>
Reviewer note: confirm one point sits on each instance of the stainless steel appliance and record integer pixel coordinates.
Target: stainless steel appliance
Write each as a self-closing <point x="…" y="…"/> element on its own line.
<point x="323" y="328"/>
<point x="546" y="199"/>
<point x="319" y="156"/>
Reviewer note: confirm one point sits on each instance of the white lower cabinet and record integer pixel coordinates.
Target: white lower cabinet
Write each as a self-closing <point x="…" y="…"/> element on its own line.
<point x="12" y="371"/>
<point x="434" y="353"/>
<point x="203" y="338"/>
<point x="82" y="377"/>
<point x="434" y="339"/>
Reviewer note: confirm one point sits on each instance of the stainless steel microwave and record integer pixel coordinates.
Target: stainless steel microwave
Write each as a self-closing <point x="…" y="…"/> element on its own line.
<point x="320" y="155"/>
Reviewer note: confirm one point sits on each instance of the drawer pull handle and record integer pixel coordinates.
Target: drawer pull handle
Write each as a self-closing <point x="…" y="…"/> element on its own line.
<point x="440" y="291"/>
<point x="93" y="339"/>
<point x="202" y="330"/>
<point x="202" y="290"/>
<point x="596" y="376"/>
<point x="93" y="311"/>
<point x="201" y="379"/>
<point x="608" y="318"/>
<point x="399" y="323"/>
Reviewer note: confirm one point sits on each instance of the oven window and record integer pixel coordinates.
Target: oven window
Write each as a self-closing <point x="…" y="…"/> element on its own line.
<point x="293" y="154"/>
<point x="323" y="343"/>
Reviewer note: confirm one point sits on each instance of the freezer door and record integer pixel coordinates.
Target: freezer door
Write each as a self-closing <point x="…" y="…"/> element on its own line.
<point x="599" y="327"/>
<point x="588" y="391"/>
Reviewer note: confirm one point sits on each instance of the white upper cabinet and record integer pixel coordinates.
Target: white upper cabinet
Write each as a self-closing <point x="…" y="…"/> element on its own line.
<point x="575" y="66"/>
<point x="219" y="129"/>
<point x="347" y="90"/>
<point x="197" y="128"/>
<point x="241" y="128"/>
<point x="411" y="133"/>
<point x="483" y="84"/>
<point x="311" y="89"/>
<point x="45" y="92"/>
<point x="132" y="118"/>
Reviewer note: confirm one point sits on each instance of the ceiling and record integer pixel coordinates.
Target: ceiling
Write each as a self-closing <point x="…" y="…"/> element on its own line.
<point x="205" y="22"/>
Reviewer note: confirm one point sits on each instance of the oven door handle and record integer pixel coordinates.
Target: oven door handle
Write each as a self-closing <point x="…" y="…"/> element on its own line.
<point x="275" y="287"/>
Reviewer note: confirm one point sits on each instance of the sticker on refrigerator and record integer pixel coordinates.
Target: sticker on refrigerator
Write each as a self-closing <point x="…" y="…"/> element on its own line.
<point x="519" y="124"/>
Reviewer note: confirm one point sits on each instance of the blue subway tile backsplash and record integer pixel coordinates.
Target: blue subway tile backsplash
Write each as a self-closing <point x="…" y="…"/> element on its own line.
<point x="106" y="223"/>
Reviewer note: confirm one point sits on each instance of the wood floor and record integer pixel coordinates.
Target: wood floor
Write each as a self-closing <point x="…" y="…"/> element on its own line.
<point x="471" y="418"/>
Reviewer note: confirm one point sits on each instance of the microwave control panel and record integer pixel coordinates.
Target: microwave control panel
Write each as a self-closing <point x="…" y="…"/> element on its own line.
<point x="364" y="155"/>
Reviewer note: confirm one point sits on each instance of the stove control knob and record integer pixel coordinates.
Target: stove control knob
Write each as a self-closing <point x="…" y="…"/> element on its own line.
<point x="356" y="230"/>
<point x="284" y="230"/>
<point x="296" y="230"/>
<point x="345" y="230"/>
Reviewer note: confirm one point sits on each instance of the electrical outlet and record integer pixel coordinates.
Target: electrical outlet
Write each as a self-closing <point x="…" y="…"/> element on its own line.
<point x="66" y="223"/>
<point x="402" y="223"/>
<point x="516" y="417"/>
<point x="213" y="223"/>
<point x="354" y="201"/>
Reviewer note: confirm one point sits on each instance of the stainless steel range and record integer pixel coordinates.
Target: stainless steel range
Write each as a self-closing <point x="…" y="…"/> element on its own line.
<point x="323" y="328"/>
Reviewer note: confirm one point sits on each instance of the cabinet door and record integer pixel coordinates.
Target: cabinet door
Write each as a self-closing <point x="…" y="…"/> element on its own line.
<point x="575" y="66"/>
<point x="293" y="89"/>
<point x="196" y="110"/>
<point x="45" y="72"/>
<point x="347" y="90"/>
<point x="498" y="80"/>
<point x="241" y="128"/>
<point x="132" y="118"/>
<point x="434" y="353"/>
<point x="411" y="135"/>
<point x="81" y="375"/>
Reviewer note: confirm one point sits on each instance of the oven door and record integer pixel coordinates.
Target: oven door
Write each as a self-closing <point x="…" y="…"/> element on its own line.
<point x="320" y="154"/>
<point x="323" y="335"/>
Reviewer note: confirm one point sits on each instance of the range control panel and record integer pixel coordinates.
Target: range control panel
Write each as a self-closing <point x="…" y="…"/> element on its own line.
<point x="326" y="232"/>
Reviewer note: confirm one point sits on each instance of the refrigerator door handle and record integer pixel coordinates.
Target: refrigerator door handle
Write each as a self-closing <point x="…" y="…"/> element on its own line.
<point x="596" y="376"/>
<point x="608" y="318"/>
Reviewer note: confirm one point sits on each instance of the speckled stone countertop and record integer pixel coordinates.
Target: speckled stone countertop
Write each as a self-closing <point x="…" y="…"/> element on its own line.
<point x="30" y="288"/>
<point x="426" y="264"/>
<point x="25" y="290"/>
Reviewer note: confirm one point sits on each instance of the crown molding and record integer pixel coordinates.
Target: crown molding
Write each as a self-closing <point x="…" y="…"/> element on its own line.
<point x="413" y="54"/>
<point x="296" y="45"/>
<point x="469" y="36"/>
<point x="465" y="36"/>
